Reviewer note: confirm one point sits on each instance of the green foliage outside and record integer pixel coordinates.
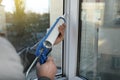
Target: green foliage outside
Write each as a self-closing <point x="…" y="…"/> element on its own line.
<point x="25" y="26"/>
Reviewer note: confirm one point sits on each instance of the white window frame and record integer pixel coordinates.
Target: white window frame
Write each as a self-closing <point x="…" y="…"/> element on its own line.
<point x="71" y="39"/>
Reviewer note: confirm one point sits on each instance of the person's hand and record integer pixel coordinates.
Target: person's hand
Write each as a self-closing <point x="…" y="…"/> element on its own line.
<point x="48" y="69"/>
<point x="61" y="34"/>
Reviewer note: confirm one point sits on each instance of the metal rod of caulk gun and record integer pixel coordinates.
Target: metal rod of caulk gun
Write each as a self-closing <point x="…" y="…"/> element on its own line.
<point x="35" y="60"/>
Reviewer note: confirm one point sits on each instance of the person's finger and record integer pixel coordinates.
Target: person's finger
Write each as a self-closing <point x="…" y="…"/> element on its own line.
<point x="61" y="27"/>
<point x="64" y="25"/>
<point x="38" y="65"/>
<point x="61" y="35"/>
<point x="50" y="58"/>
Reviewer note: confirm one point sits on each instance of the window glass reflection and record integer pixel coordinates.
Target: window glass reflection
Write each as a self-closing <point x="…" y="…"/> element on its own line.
<point x="100" y="59"/>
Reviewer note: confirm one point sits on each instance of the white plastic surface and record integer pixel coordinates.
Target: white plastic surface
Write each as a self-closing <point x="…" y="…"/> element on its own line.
<point x="54" y="34"/>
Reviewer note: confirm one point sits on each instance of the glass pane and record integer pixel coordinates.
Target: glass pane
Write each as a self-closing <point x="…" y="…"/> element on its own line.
<point x="26" y="24"/>
<point x="99" y="57"/>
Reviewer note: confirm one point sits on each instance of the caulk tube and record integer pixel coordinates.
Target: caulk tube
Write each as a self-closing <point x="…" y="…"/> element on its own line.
<point x="53" y="32"/>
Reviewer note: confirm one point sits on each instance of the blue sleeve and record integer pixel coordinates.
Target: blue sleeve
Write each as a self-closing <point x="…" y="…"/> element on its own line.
<point x="43" y="78"/>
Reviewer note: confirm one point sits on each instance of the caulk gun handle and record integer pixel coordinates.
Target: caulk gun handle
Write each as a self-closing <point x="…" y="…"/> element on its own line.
<point x="44" y="56"/>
